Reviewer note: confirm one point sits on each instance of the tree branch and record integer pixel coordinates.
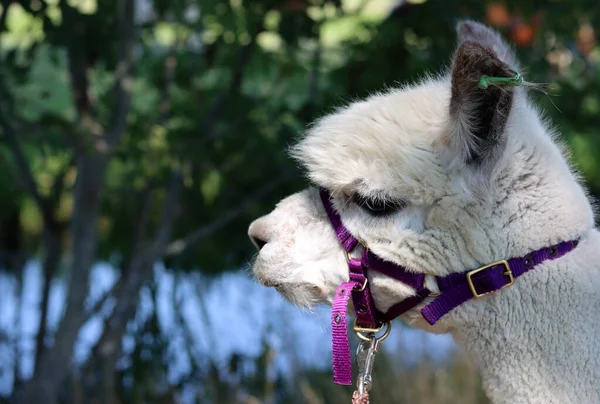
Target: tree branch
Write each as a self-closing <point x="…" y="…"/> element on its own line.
<point x="140" y="225"/>
<point x="144" y="217"/>
<point x="313" y="84"/>
<point x="52" y="230"/>
<point x="139" y="271"/>
<point x="25" y="171"/>
<point x="3" y="15"/>
<point x="181" y="245"/>
<point x="169" y="77"/>
<point x="188" y="334"/>
<point x="138" y="268"/>
<point x="239" y="70"/>
<point x="58" y="186"/>
<point x="98" y="304"/>
<point x="11" y="139"/>
<point x="52" y="244"/>
<point x="91" y="170"/>
<point x="77" y="65"/>
<point x="18" y="323"/>
<point x="169" y="213"/>
<point x="124" y="83"/>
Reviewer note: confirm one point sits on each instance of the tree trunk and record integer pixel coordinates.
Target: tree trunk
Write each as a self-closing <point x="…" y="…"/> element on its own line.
<point x="91" y="163"/>
<point x="127" y="290"/>
<point x="18" y="326"/>
<point x="52" y="243"/>
<point x="54" y="364"/>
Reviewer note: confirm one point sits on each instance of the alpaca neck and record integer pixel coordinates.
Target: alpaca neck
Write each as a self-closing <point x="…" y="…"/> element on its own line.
<point x="537" y="342"/>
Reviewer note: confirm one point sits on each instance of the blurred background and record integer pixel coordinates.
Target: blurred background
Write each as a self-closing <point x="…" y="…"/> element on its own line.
<point x="138" y="139"/>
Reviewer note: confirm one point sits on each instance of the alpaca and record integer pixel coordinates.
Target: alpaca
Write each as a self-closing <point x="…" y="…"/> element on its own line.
<point x="442" y="177"/>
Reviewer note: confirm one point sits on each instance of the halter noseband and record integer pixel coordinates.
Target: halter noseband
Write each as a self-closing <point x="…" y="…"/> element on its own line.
<point x="454" y="289"/>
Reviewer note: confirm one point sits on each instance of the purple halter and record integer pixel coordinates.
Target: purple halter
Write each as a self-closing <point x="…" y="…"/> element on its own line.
<point x="454" y="289"/>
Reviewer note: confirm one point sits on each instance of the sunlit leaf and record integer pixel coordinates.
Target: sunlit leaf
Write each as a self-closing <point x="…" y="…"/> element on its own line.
<point x="210" y="186"/>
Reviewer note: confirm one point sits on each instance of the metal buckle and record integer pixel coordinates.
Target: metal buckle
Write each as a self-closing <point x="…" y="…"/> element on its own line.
<point x="348" y="256"/>
<point x="473" y="272"/>
<point x="349" y="253"/>
<point x="360" y="330"/>
<point x="364" y="285"/>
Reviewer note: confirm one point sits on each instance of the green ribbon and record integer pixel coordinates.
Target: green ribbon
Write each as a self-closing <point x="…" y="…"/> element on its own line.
<point x="486" y="80"/>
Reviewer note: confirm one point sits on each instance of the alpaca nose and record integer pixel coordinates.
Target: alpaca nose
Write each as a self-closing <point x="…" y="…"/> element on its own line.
<point x="258" y="233"/>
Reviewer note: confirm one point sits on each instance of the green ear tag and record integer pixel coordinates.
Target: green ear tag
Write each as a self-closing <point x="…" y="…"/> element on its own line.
<point x="486" y="80"/>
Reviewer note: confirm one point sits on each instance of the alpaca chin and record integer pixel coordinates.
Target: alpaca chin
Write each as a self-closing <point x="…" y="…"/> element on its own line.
<point x="302" y="295"/>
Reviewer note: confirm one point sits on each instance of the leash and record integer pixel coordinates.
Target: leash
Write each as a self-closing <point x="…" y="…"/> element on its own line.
<point x="360" y="398"/>
<point x="454" y="290"/>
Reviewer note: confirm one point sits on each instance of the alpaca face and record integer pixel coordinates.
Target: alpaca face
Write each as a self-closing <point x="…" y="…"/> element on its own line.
<point x="380" y="192"/>
<point x="439" y="177"/>
<point x="388" y="197"/>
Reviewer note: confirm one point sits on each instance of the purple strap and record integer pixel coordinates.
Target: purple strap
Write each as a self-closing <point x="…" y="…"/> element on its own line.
<point x="347" y="240"/>
<point x="406" y="304"/>
<point x="362" y="299"/>
<point x="455" y="287"/>
<point x="392" y="270"/>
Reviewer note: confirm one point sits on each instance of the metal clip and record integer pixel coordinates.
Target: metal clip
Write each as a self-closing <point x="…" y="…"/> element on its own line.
<point x="365" y="358"/>
<point x="365" y="354"/>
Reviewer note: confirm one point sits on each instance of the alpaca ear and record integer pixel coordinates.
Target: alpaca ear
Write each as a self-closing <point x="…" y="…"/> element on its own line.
<point x="478" y="110"/>
<point x="471" y="31"/>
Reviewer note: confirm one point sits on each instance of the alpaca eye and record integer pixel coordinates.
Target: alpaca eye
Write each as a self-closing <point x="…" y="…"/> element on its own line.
<point x="377" y="206"/>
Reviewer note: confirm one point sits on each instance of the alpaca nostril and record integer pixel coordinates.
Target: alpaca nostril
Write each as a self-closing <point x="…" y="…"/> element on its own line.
<point x="259" y="243"/>
<point x="258" y="233"/>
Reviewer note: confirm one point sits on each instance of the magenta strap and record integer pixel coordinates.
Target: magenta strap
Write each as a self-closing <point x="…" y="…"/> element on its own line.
<point x="342" y="365"/>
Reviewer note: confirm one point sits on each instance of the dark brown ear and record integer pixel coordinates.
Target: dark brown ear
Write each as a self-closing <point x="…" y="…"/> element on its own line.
<point x="472" y="31"/>
<point x="478" y="115"/>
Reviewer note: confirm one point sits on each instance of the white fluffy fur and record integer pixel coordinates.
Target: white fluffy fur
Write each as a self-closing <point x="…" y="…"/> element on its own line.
<point x="535" y="342"/>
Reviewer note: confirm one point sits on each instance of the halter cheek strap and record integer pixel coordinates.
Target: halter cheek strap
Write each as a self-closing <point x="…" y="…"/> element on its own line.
<point x="368" y="318"/>
<point x="356" y="287"/>
<point x="455" y="289"/>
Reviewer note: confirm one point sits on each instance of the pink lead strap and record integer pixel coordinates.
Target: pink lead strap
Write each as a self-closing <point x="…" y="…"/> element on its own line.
<point x="342" y="364"/>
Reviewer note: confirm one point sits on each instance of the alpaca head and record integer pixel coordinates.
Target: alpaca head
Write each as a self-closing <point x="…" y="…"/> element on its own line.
<point x="441" y="176"/>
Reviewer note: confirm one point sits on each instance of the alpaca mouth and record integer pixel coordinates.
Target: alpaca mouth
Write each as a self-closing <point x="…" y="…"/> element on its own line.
<point x="301" y="294"/>
<point x="269" y="283"/>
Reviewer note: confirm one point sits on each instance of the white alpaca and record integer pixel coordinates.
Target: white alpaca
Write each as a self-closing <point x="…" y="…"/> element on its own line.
<point x="467" y="179"/>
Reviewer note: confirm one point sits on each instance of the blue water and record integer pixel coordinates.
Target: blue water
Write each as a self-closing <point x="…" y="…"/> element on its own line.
<point x="231" y="313"/>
